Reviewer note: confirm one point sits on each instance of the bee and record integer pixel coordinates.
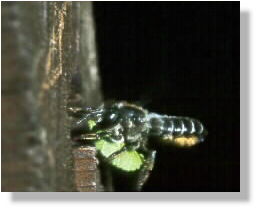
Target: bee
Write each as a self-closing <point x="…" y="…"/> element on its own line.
<point x="122" y="132"/>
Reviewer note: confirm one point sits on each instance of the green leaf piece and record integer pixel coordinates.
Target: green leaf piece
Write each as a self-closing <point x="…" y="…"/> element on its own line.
<point x="107" y="148"/>
<point x="128" y="161"/>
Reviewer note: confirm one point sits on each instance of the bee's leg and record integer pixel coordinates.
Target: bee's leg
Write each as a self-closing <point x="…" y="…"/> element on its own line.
<point x="76" y="112"/>
<point x="145" y="170"/>
<point x="84" y="138"/>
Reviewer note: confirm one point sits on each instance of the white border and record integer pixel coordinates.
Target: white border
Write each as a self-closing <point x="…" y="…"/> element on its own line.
<point x="234" y="200"/>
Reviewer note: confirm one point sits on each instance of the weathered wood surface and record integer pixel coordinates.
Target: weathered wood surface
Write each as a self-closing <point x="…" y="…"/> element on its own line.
<point x="48" y="63"/>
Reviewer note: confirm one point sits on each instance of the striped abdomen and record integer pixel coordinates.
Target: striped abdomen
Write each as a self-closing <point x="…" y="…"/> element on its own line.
<point x="175" y="126"/>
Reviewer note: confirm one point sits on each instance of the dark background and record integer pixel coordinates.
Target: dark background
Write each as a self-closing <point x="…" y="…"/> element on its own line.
<point x="179" y="58"/>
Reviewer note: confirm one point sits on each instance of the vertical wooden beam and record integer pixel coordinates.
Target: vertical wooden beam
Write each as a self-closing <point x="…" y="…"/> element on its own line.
<point x="43" y="53"/>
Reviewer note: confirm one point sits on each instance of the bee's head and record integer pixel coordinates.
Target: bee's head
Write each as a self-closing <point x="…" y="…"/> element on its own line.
<point x="94" y="121"/>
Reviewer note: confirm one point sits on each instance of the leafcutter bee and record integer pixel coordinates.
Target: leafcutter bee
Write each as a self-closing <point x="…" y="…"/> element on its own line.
<point x="122" y="132"/>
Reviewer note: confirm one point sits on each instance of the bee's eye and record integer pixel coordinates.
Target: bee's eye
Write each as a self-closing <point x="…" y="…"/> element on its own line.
<point x="113" y="117"/>
<point x="109" y="119"/>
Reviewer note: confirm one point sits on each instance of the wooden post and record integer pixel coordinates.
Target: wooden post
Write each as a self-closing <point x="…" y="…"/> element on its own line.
<point x="48" y="63"/>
